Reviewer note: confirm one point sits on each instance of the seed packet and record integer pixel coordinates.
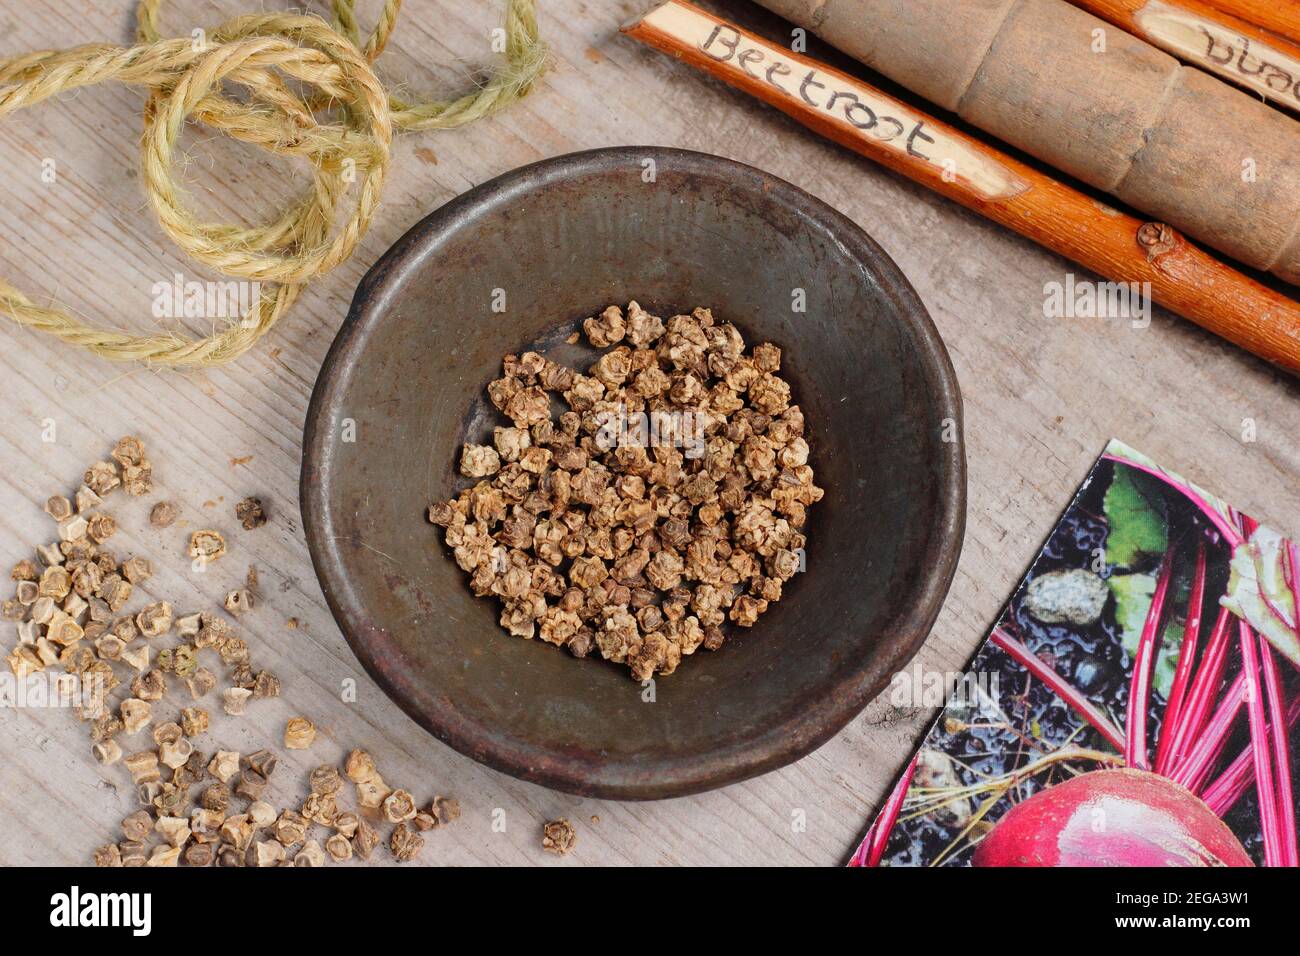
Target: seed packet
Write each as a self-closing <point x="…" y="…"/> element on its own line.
<point x="1134" y="705"/>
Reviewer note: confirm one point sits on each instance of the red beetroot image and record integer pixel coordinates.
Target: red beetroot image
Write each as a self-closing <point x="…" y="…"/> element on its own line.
<point x="1132" y="707"/>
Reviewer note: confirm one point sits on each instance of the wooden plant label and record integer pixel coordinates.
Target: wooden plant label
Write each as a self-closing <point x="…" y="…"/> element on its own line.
<point x="1114" y="244"/>
<point x="1252" y="63"/>
<point x="833" y="103"/>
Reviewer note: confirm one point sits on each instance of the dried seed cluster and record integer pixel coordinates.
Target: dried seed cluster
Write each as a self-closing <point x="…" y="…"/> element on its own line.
<point x="70" y="603"/>
<point x="559" y="837"/>
<point x="71" y="611"/>
<point x="197" y="808"/>
<point x="215" y="831"/>
<point x="669" y="498"/>
<point x="250" y="513"/>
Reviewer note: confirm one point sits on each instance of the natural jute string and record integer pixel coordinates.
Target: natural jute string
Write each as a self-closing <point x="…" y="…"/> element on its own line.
<point x="344" y="129"/>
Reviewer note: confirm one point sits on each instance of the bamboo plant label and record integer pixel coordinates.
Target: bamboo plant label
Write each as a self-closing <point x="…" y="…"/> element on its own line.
<point x="1252" y="63"/>
<point x="1134" y="704"/>
<point x="793" y="83"/>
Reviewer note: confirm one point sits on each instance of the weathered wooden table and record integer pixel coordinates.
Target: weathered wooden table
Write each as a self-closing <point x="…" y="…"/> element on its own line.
<point x="1042" y="396"/>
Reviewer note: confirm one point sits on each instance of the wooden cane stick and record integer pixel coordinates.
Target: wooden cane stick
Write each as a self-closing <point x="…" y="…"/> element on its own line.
<point x="1280" y="16"/>
<point x="1117" y="246"/>
<point x="1099" y="104"/>
<point x="1197" y="33"/>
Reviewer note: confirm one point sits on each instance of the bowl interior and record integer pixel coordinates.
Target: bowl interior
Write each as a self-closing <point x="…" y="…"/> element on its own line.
<point x="517" y="264"/>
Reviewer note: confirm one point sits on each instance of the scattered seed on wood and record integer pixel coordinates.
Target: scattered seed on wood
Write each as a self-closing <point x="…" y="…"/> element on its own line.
<point x="325" y="780"/>
<point x="162" y="515"/>
<point x="310" y="854"/>
<point x="266" y="685"/>
<point x="251" y="784"/>
<point x="175" y="830"/>
<point x="405" y="843"/>
<point x="263" y="761"/>
<point x="151" y="685"/>
<point x="250" y="513"/>
<point x="87" y="500"/>
<point x="202" y="682"/>
<point x="101" y="527"/>
<point x="360" y="767"/>
<point x="143" y="766"/>
<point x="132" y="853"/>
<point x="322" y="808"/>
<point x="559" y="837"/>
<point x="108" y="856"/>
<point x="290" y="828"/>
<point x="261" y="814"/>
<point x="164" y="856"/>
<point x="339" y="848"/>
<point x="365" y="839"/>
<point x="58" y="507"/>
<point x="71" y="610"/>
<point x="194" y="721"/>
<point x="445" y="810"/>
<point x="234" y="699"/>
<point x="398" y="807"/>
<point x="207" y="545"/>
<point x="299" y="734"/>
<point x="198" y="854"/>
<point x="155" y="619"/>
<point x="136" y="714"/>
<point x="175" y="753"/>
<point x="240" y="601"/>
<point x="267" y="853"/>
<point x="137" y="569"/>
<point x="224" y="765"/>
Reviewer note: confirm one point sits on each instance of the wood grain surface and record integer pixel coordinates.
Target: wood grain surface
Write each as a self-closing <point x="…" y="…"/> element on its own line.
<point x="1042" y="397"/>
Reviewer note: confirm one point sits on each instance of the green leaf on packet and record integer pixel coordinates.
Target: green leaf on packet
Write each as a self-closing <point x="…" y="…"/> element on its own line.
<point x="1137" y="525"/>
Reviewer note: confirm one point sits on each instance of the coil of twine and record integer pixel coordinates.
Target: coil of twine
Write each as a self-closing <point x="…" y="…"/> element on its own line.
<point x="343" y="128"/>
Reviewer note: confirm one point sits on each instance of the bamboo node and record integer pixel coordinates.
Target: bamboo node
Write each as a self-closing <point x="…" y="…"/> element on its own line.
<point x="1156" y="239"/>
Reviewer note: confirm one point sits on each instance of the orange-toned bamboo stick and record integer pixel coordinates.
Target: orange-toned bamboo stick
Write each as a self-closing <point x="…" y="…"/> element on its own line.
<point x="1228" y="46"/>
<point x="1280" y="16"/>
<point x="1113" y="244"/>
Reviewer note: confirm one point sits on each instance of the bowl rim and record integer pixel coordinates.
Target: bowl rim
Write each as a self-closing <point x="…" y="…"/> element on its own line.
<point x="774" y="747"/>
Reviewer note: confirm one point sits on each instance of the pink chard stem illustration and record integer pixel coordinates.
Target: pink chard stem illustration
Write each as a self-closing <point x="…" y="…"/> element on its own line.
<point x="1200" y="714"/>
<point x="1135" y="746"/>
<point x="1209" y="744"/>
<point x="1201" y="695"/>
<point x="1232" y="784"/>
<point x="872" y="848"/>
<point x="1060" y="686"/>
<point x="1278" y="727"/>
<point x="1186" y="663"/>
<point x="1264" y="783"/>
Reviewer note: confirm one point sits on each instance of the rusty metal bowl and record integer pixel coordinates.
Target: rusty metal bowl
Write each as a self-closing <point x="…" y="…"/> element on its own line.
<point x="552" y="243"/>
